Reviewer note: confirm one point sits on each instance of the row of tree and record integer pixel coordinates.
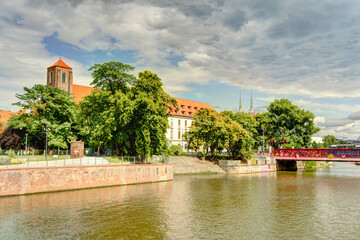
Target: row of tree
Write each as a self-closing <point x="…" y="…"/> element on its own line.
<point x="238" y="133"/>
<point x="125" y="113"/>
<point x="130" y="115"/>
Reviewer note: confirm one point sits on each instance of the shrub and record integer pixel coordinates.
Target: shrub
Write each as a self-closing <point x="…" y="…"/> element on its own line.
<point x="171" y="150"/>
<point x="11" y="154"/>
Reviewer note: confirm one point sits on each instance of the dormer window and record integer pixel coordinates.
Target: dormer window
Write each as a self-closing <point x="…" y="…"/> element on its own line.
<point x="195" y="108"/>
<point x="201" y="108"/>
<point x="183" y="106"/>
<point x="183" y="112"/>
<point x="190" y="107"/>
<point x="190" y="113"/>
<point x="63" y="78"/>
<point x="176" y="111"/>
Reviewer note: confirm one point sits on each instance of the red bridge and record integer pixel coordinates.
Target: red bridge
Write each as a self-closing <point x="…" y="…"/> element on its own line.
<point x="334" y="155"/>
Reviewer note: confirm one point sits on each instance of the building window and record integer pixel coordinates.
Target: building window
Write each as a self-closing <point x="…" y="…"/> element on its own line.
<point x="179" y="134"/>
<point x="171" y="133"/>
<point x="185" y="123"/>
<point x="171" y="122"/>
<point x="63" y="77"/>
<point x="179" y="123"/>
<point x="51" y="77"/>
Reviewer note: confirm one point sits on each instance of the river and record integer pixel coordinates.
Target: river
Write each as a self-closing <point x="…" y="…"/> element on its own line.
<point x="322" y="204"/>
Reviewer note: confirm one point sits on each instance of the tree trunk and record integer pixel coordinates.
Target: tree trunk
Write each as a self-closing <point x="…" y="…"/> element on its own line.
<point x="117" y="150"/>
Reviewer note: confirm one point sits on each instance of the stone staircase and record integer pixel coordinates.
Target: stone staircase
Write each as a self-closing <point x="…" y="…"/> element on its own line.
<point x="187" y="165"/>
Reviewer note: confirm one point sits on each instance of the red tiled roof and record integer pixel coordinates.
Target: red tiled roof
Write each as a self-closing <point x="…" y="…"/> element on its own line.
<point x="188" y="108"/>
<point x="60" y="63"/>
<point x="79" y="92"/>
<point x="5" y="116"/>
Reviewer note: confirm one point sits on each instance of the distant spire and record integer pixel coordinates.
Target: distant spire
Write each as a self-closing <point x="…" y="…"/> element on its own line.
<point x="241" y="110"/>
<point x="251" y="104"/>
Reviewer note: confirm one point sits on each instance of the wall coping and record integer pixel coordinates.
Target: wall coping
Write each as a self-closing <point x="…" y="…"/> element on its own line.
<point x="83" y="166"/>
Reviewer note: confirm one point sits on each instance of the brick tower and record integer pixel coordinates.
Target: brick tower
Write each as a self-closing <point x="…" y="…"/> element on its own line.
<point x="60" y="75"/>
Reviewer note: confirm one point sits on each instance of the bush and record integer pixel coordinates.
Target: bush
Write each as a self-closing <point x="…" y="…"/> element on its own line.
<point x="11" y="154"/>
<point x="171" y="151"/>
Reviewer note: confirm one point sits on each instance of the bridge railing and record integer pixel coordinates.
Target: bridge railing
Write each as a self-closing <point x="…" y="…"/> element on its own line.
<point x="317" y="153"/>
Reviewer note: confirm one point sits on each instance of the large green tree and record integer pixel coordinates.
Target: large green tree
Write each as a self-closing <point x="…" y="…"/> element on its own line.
<point x="48" y="108"/>
<point x="286" y="122"/>
<point x="126" y="113"/>
<point x="215" y="131"/>
<point x="112" y="76"/>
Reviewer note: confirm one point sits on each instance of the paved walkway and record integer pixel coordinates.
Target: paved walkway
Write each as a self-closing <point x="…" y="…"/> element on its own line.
<point x="184" y="164"/>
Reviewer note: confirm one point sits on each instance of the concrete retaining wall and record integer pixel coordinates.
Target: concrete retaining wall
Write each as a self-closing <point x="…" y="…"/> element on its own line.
<point x="235" y="166"/>
<point x="45" y="179"/>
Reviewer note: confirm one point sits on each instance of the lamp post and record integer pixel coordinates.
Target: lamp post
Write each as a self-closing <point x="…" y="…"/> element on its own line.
<point x="46" y="141"/>
<point x="26" y="143"/>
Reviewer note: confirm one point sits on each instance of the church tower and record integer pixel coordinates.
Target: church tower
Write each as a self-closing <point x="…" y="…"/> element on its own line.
<point x="241" y="110"/>
<point x="60" y="75"/>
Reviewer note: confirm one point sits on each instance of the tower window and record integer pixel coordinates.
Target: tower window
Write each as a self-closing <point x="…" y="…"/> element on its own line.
<point x="63" y="77"/>
<point x="51" y="77"/>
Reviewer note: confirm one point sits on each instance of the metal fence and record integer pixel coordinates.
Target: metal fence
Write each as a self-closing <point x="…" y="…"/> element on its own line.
<point x="84" y="161"/>
<point x="35" y="152"/>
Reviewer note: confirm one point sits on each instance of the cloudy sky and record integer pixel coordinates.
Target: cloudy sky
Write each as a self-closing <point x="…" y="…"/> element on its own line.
<point x="204" y="50"/>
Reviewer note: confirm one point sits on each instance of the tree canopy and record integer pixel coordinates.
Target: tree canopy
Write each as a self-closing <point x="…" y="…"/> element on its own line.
<point x="329" y="140"/>
<point x="41" y="107"/>
<point x="286" y="122"/>
<point x="112" y="76"/>
<point x="216" y="131"/>
<point x="131" y="117"/>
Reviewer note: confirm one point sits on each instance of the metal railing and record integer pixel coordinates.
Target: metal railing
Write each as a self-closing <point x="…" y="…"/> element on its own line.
<point x="83" y="161"/>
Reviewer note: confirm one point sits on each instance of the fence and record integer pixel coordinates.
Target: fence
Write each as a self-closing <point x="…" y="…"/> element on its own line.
<point x="85" y="161"/>
<point x="35" y="152"/>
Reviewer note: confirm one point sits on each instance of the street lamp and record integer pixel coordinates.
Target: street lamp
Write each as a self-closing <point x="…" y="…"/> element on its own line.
<point x="46" y="141"/>
<point x="26" y="143"/>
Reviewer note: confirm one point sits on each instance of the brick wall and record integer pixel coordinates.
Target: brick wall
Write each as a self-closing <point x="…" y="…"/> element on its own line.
<point x="44" y="179"/>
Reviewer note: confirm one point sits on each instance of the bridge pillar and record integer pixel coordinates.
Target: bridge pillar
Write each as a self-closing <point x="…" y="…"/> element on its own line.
<point x="286" y="165"/>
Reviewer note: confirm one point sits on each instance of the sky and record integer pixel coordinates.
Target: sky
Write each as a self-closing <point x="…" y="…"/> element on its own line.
<point x="208" y="50"/>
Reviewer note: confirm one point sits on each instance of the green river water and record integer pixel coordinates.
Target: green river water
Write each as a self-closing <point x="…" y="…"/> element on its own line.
<point x="322" y="204"/>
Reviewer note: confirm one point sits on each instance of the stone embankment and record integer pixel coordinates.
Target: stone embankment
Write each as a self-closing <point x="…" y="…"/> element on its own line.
<point x="186" y="165"/>
<point x="17" y="181"/>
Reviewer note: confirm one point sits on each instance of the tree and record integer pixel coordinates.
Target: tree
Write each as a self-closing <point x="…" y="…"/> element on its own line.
<point x="42" y="107"/>
<point x="129" y="117"/>
<point x="218" y="132"/>
<point x="12" y="138"/>
<point x="112" y="76"/>
<point x="329" y="140"/>
<point x="150" y="116"/>
<point x="285" y="121"/>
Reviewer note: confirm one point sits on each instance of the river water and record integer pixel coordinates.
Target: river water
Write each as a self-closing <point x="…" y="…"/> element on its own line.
<point x="322" y="204"/>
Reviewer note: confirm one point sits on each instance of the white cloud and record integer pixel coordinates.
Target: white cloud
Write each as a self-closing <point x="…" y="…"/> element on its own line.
<point x="264" y="45"/>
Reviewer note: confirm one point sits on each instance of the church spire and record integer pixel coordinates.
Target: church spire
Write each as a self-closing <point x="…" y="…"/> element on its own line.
<point x="241" y="110"/>
<point x="251" y="104"/>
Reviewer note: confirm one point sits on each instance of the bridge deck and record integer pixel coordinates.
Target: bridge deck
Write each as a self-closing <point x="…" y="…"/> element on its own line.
<point x="333" y="155"/>
<point x="318" y="159"/>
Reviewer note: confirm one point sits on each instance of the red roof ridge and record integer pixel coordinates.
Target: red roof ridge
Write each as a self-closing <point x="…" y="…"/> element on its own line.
<point x="60" y="63"/>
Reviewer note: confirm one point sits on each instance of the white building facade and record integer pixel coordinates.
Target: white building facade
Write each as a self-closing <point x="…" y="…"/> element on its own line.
<point x="181" y="120"/>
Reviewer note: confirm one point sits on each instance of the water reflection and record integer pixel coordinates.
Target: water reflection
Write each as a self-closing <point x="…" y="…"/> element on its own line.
<point x="284" y="205"/>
